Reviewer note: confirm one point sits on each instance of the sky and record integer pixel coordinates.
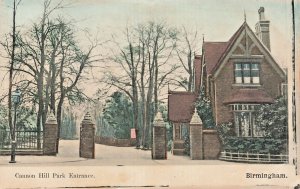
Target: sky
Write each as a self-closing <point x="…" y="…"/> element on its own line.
<point x="217" y="20"/>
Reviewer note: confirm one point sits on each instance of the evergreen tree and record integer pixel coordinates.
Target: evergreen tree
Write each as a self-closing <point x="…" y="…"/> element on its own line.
<point x="204" y="109"/>
<point x="118" y="116"/>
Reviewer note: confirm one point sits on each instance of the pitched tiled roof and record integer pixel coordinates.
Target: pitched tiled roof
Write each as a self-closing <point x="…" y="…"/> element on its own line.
<point x="181" y="106"/>
<point x="213" y="52"/>
<point x="216" y="51"/>
<point x="249" y="96"/>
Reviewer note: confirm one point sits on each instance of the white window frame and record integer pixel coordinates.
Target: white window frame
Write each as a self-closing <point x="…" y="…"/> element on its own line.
<point x="249" y="67"/>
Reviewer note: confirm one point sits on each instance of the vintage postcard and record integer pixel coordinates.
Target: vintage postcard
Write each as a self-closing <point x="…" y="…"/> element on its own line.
<point x="149" y="94"/>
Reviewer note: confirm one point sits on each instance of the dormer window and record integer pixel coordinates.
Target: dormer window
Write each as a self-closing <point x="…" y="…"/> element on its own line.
<point x="246" y="73"/>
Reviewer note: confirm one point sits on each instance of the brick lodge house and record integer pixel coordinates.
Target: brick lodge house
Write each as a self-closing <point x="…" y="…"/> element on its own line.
<point x="238" y="75"/>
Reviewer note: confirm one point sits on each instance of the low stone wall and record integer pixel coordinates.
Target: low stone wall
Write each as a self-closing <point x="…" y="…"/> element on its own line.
<point x="211" y="144"/>
<point x="114" y="141"/>
<point x="22" y="152"/>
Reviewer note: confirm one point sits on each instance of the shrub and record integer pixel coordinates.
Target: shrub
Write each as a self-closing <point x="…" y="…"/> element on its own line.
<point x="272" y="118"/>
<point x="225" y="131"/>
<point x="252" y="145"/>
<point x="256" y="145"/>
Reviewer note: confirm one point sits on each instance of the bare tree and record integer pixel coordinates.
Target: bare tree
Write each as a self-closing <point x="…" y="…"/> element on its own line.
<point x="145" y="67"/>
<point x="11" y="66"/>
<point x="185" y="49"/>
<point x="11" y="71"/>
<point x="51" y="64"/>
<point x="72" y="64"/>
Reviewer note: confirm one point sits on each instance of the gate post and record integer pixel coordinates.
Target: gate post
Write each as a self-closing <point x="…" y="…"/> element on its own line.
<point x="87" y="137"/>
<point x="50" y="135"/>
<point x="159" y="145"/>
<point x="196" y="144"/>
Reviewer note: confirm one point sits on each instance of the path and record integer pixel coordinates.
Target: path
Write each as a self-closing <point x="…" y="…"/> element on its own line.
<point x="105" y="155"/>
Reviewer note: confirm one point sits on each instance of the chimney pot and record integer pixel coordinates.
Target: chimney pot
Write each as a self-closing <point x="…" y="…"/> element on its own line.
<point x="261" y="12"/>
<point x="263" y="28"/>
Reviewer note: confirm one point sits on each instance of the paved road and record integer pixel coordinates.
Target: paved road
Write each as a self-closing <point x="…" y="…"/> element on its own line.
<point x="118" y="167"/>
<point x="105" y="155"/>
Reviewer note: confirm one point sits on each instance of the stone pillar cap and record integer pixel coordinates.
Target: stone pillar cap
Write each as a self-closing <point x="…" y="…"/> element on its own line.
<point x="196" y="119"/>
<point x="87" y="119"/>
<point x="51" y="119"/>
<point x="158" y="120"/>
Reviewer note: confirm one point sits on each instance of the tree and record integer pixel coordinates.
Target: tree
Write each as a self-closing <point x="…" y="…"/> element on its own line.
<point x="11" y="52"/>
<point x="68" y="131"/>
<point x="118" y="113"/>
<point x="33" y="56"/>
<point x="145" y="70"/>
<point x="185" y="48"/>
<point x="204" y="110"/>
<point x="49" y="64"/>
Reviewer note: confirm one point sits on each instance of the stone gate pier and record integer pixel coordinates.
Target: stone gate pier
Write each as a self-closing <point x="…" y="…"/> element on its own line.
<point x="50" y="135"/>
<point x="159" y="146"/>
<point x="87" y="137"/>
<point x="196" y="142"/>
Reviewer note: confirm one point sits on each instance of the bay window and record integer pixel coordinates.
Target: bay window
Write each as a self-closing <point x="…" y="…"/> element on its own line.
<point x="245" y="120"/>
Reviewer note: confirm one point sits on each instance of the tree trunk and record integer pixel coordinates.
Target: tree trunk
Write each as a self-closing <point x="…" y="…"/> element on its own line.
<point x="143" y="105"/>
<point x="134" y="95"/>
<point x="52" y="90"/>
<point x="11" y="73"/>
<point x="47" y="96"/>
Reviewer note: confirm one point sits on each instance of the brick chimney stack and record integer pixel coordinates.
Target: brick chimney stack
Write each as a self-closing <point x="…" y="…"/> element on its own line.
<point x="262" y="28"/>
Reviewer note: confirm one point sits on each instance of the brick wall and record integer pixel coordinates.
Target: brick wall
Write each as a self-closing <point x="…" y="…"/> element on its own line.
<point x="115" y="142"/>
<point x="270" y="80"/>
<point x="211" y="144"/>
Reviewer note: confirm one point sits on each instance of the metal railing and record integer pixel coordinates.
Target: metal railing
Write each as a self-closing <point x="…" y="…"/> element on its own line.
<point x="26" y="140"/>
<point x="253" y="157"/>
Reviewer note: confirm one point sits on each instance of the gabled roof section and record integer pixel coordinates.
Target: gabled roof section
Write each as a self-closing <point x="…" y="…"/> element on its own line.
<point x="244" y="27"/>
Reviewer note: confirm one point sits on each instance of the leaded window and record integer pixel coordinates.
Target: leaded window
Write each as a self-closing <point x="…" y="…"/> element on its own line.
<point x="246" y="73"/>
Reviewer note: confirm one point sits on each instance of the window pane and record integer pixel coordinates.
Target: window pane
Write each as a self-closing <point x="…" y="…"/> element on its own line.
<point x="255" y="73"/>
<point x="238" y="73"/>
<point x="238" y="66"/>
<point x="246" y="66"/>
<point x="254" y="67"/>
<point x="237" y="124"/>
<point x="247" y="80"/>
<point x="245" y="124"/>
<point x="255" y="79"/>
<point x="257" y="132"/>
<point x="246" y="73"/>
<point x="238" y="76"/>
